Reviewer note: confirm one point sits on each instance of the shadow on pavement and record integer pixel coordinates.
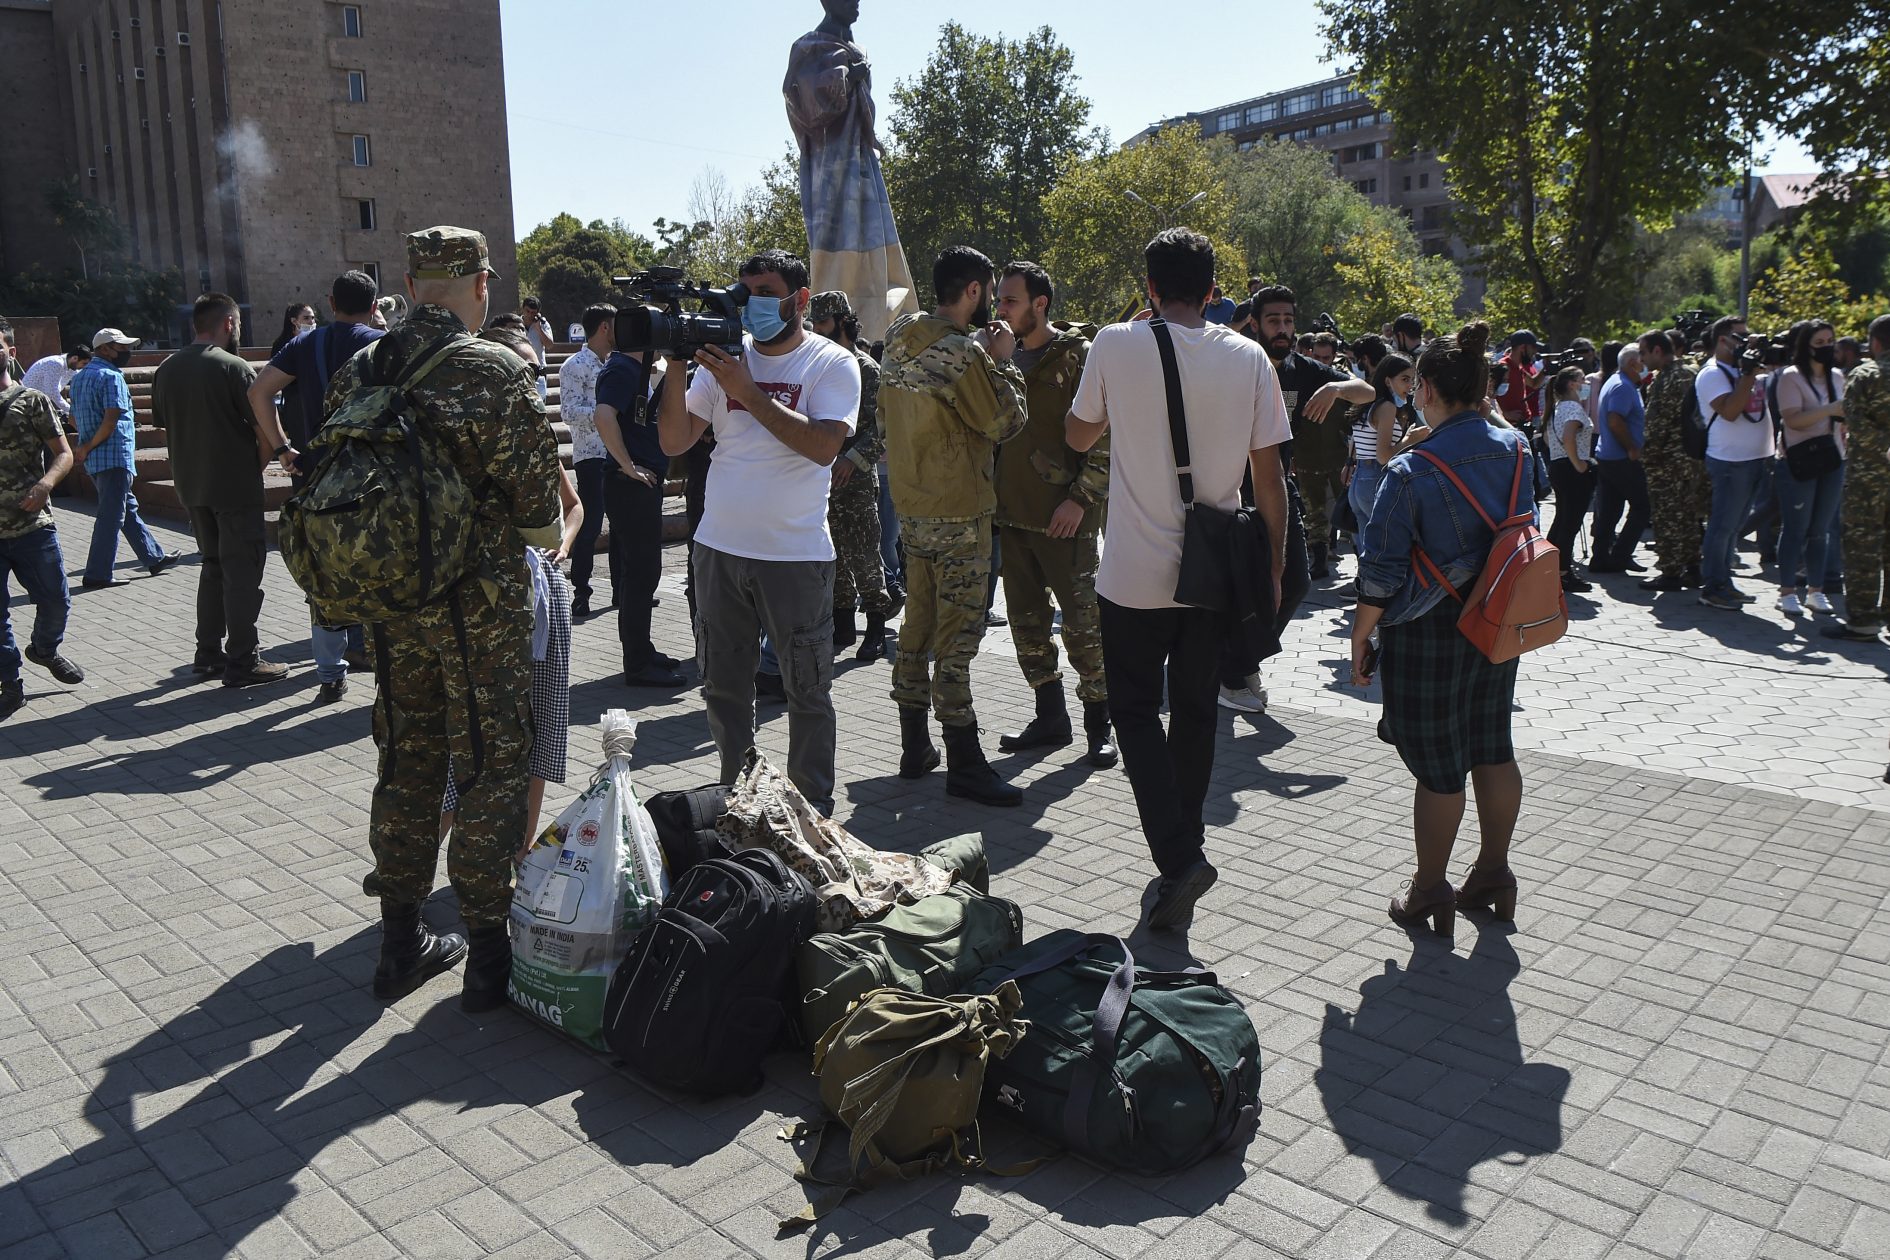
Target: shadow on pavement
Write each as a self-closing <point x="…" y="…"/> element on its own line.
<point x="1433" y="1040"/>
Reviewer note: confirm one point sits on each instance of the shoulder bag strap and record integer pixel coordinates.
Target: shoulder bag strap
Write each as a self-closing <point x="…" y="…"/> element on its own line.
<point x="1177" y="414"/>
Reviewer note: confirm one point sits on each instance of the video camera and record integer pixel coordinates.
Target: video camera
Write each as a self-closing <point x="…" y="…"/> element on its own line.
<point x="1764" y="350"/>
<point x="1550" y="364"/>
<point x="1325" y="323"/>
<point x="1693" y="325"/>
<point x="659" y="325"/>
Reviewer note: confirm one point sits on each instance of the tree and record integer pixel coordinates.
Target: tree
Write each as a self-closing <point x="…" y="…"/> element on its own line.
<point x="575" y="269"/>
<point x="1382" y="273"/>
<point x="1563" y="123"/>
<point x="1806" y="284"/>
<point x="90" y="225"/>
<point x="1289" y="209"/>
<point x="976" y="142"/>
<point x="1097" y="233"/>
<point x="1841" y="78"/>
<point x="549" y="238"/>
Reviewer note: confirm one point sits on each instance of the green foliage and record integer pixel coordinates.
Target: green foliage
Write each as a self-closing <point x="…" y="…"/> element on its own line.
<point x="117" y="294"/>
<point x="1842" y="70"/>
<point x="1807" y="284"/>
<point x="975" y="144"/>
<point x="1289" y="211"/>
<point x="90" y="225"/>
<point x="1382" y="273"/>
<point x="1568" y="122"/>
<point x="1097" y="233"/>
<point x="607" y="244"/>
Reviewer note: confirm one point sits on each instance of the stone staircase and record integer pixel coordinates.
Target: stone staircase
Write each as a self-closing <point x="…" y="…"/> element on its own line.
<point x="156" y="488"/>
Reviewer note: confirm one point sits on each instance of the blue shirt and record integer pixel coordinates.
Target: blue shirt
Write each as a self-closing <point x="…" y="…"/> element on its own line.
<point x="1416" y="506"/>
<point x="1620" y="396"/>
<point x="1221" y="312"/>
<point x="96" y="388"/>
<point x="621" y="385"/>
<point x="313" y="358"/>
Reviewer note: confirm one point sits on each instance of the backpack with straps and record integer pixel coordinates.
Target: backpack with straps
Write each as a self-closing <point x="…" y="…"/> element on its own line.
<point x="385" y="525"/>
<point x="1517" y="604"/>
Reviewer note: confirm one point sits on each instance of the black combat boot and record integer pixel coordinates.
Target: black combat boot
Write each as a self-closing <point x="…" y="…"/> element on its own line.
<point x="969" y="775"/>
<point x="488" y="971"/>
<point x="1102" y="752"/>
<point x="1320" y="569"/>
<point x="846" y="631"/>
<point x="1049" y="729"/>
<point x="917" y="752"/>
<point x="873" y="642"/>
<point x="411" y="952"/>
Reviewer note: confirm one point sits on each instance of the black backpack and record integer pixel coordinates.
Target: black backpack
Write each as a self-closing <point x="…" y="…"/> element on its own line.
<point x="685" y="826"/>
<point x="704" y="992"/>
<point x="1694" y="425"/>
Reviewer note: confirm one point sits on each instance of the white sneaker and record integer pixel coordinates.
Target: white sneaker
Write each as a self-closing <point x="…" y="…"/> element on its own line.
<point x="1251" y="698"/>
<point x="1819" y="602"/>
<point x="1789" y="605"/>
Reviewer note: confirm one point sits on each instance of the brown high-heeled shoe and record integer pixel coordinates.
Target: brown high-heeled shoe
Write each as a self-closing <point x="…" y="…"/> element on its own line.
<point x="1438" y="903"/>
<point x="1493" y="890"/>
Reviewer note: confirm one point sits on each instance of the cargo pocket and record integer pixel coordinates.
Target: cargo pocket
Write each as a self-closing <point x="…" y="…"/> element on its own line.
<point x="811" y="656"/>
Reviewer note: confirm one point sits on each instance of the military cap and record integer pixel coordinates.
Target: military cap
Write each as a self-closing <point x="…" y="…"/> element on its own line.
<point x="446" y="253"/>
<point x="831" y="304"/>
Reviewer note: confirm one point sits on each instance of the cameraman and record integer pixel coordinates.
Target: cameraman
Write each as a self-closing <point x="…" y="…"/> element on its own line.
<point x="1520" y="394"/>
<point x="1739" y="451"/>
<point x="763" y="559"/>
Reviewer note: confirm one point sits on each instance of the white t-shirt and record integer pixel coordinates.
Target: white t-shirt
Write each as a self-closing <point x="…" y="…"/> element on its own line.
<point x="763" y="500"/>
<point x="1568" y="412"/>
<point x="1749" y="437"/>
<point x="1233" y="404"/>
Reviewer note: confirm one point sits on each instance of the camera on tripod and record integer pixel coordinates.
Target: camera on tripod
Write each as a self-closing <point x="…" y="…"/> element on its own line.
<point x="659" y="325"/>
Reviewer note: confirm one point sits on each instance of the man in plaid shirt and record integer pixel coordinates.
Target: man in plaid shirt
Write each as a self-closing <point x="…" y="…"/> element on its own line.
<point x="101" y="407"/>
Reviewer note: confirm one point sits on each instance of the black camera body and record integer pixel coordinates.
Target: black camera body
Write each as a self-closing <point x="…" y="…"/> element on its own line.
<point x="1764" y="350"/>
<point x="1551" y="364"/>
<point x="659" y="325"/>
<point x="1694" y="325"/>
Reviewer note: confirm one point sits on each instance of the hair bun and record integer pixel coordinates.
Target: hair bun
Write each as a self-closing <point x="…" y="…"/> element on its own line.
<point x="1474" y="338"/>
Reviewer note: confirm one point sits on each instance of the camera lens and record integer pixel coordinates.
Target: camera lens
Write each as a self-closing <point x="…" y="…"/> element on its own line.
<point x="641" y="328"/>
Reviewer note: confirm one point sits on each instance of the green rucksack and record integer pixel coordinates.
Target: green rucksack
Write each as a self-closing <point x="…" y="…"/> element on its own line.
<point x="905" y="1073"/>
<point x="385" y="525"/>
<point x="933" y="946"/>
<point x="1146" y="1071"/>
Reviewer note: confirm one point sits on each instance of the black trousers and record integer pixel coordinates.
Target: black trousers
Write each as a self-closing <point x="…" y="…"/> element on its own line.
<point x="589" y="475"/>
<point x="1573" y="491"/>
<point x="1143" y="648"/>
<point x="229" y="584"/>
<point x="636" y="552"/>
<point x="1623" y="482"/>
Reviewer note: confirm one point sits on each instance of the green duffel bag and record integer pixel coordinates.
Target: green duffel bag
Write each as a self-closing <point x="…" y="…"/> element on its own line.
<point x="1146" y="1071"/>
<point x="964" y="857"/>
<point x="933" y="946"/>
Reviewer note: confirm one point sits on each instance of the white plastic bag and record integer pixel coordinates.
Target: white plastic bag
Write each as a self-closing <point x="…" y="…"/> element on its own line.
<point x="588" y="885"/>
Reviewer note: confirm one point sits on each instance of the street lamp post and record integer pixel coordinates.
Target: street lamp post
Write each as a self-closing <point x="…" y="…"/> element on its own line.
<point x="1165" y="215"/>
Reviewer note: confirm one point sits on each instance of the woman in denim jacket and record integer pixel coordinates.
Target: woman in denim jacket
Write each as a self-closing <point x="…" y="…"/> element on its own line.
<point x="1447" y="708"/>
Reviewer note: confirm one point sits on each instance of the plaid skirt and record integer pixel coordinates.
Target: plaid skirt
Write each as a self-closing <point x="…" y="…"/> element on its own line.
<point x="551" y="694"/>
<point x="1447" y="708"/>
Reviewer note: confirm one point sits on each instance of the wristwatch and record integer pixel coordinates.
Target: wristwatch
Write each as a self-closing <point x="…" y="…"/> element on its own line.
<point x="277" y="453"/>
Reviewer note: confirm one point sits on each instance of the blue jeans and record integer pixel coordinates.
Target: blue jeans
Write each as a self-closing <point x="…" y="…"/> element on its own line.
<point x="117" y="513"/>
<point x="1366" y="476"/>
<point x="1735" y="485"/>
<point x="35" y="559"/>
<point x="331" y="648"/>
<point x="889" y="535"/>
<point x="1806" y="512"/>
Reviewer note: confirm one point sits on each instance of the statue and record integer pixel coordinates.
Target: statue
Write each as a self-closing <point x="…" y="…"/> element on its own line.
<point x="852" y="243"/>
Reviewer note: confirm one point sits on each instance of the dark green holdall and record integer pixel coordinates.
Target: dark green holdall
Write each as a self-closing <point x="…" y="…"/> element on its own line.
<point x="933" y="946"/>
<point x="964" y="857"/>
<point x="1145" y="1071"/>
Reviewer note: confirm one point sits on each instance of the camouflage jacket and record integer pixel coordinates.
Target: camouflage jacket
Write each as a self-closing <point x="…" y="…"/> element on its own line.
<point x="485" y="402"/>
<point x="1666" y="411"/>
<point x="867" y="444"/>
<point x="27" y="423"/>
<point x="1037" y="470"/>
<point x="944" y="405"/>
<point x="1867" y="411"/>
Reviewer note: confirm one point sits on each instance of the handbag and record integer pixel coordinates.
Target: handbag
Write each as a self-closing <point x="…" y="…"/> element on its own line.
<point x="1206" y="579"/>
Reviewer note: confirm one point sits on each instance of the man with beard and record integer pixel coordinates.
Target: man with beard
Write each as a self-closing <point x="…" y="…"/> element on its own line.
<point x="201" y="397"/>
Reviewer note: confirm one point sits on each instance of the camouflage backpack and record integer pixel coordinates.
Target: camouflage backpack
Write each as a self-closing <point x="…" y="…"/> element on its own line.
<point x="384" y="525"/>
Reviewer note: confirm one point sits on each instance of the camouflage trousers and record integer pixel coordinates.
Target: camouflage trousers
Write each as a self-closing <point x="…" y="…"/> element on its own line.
<point x="1322" y="489"/>
<point x="1037" y="566"/>
<point x="437" y="708"/>
<point x="1680" y="495"/>
<point x="1866" y="516"/>
<point x="948" y="571"/>
<point x="859" y="578"/>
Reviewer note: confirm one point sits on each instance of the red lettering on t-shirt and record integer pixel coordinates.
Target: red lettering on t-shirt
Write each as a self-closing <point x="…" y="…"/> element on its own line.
<point x="786" y="393"/>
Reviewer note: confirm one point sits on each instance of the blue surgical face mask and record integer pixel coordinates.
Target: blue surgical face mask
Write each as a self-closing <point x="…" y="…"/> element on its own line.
<point x="1585" y="391"/>
<point x="762" y="318"/>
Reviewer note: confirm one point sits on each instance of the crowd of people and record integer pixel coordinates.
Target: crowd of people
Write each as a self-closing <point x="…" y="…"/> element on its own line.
<point x="984" y="441"/>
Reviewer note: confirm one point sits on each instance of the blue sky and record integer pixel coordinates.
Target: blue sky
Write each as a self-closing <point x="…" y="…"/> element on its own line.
<point x="615" y="118"/>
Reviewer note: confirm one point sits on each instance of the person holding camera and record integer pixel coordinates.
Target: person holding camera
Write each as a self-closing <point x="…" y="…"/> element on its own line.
<point x="1739" y="451"/>
<point x="949" y="395"/>
<point x="1810" y="483"/>
<point x="764" y="557"/>
<point x="1519" y="395"/>
<point x="1571" y="442"/>
<point x="1867" y="491"/>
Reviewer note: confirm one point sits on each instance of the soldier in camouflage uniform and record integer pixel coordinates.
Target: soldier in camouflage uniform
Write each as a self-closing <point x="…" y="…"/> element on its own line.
<point x="1866" y="491"/>
<point x="853" y="507"/>
<point x="1050" y="506"/>
<point x="29" y="541"/>
<point x="949" y="395"/>
<point x="453" y="677"/>
<point x="1676" y="482"/>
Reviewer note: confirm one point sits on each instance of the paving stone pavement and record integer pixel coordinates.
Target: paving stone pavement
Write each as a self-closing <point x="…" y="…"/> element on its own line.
<point x="1679" y="1052"/>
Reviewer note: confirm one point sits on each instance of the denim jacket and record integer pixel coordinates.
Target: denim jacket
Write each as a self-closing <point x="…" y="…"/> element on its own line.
<point x="1416" y="506"/>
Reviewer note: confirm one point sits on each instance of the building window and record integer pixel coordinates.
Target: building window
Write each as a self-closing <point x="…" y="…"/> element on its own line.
<point x="361" y="157"/>
<point x="365" y="208"/>
<point x="1299" y="104"/>
<point x="357" y="86"/>
<point x="351" y="21"/>
<point x="1367" y="186"/>
<point x="1407" y="183"/>
<point x="1227" y="121"/>
<point x="1424" y="180"/>
<point x="373" y="271"/>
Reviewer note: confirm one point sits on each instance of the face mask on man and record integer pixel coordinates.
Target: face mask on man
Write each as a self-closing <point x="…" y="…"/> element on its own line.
<point x="763" y="319"/>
